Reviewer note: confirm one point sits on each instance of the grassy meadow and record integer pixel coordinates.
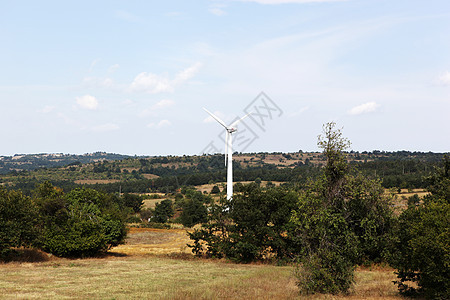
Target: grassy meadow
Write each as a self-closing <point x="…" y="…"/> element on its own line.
<point x="156" y="264"/>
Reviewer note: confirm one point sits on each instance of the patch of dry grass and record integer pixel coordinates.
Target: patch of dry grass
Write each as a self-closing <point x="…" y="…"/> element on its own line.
<point x="151" y="203"/>
<point x="95" y="181"/>
<point x="143" y="241"/>
<point x="143" y="269"/>
<point x="144" y="278"/>
<point x="153" y="277"/>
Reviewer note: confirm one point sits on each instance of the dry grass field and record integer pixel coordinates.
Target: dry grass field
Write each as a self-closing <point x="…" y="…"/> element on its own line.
<point x="208" y="187"/>
<point x="401" y="199"/>
<point x="155" y="264"/>
<point x="95" y="181"/>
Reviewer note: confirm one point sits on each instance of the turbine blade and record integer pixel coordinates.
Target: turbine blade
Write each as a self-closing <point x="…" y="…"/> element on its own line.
<point x="216" y="118"/>
<point x="236" y="122"/>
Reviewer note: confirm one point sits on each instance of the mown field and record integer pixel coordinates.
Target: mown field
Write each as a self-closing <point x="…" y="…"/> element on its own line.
<point x="156" y="264"/>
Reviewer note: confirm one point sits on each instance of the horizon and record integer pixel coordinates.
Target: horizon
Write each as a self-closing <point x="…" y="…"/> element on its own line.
<point x="235" y="153"/>
<point x="133" y="77"/>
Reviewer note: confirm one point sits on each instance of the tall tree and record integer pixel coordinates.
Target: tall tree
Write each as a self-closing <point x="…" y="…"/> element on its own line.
<point x="341" y="219"/>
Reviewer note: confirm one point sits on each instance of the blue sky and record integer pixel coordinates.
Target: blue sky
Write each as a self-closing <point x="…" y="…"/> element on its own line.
<point x="132" y="77"/>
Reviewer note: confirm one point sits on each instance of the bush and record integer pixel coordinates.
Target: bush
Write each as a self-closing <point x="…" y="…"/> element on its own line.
<point x="17" y="221"/>
<point x="422" y="251"/>
<point x="194" y="212"/>
<point x="328" y="247"/>
<point x="81" y="223"/>
<point x="135" y="202"/>
<point x="215" y="190"/>
<point x="252" y="226"/>
<point x="163" y="212"/>
<point x="325" y="272"/>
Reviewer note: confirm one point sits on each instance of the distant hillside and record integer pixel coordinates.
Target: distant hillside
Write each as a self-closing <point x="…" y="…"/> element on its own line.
<point x="29" y="162"/>
<point x="167" y="174"/>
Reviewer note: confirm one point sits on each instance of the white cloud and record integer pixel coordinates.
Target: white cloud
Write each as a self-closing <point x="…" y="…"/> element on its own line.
<point x="128" y="102"/>
<point x="66" y="119"/>
<point x="151" y="83"/>
<point x="217" y="11"/>
<point x="154" y="84"/>
<point x="129" y="17"/>
<point x="46" y="109"/>
<point x="363" y="108"/>
<point x="165" y="103"/>
<point x="87" y="102"/>
<point x="93" y="63"/>
<point x="187" y="73"/>
<point x="160" y="124"/>
<point x="289" y="1"/>
<point x="113" y="68"/>
<point x="105" y="127"/>
<point x="444" y="79"/>
<point x="98" y="82"/>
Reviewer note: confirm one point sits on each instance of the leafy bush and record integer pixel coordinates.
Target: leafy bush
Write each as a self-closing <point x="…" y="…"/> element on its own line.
<point x="194" y="212"/>
<point x="422" y="253"/>
<point x="17" y="221"/>
<point x="215" y="190"/>
<point x="135" y="202"/>
<point x="253" y="225"/>
<point x="163" y="211"/>
<point x="81" y="223"/>
<point x="328" y="246"/>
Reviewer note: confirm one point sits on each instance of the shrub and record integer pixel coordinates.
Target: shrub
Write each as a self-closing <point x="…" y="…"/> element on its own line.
<point x="163" y="211"/>
<point x="17" y="221"/>
<point x="135" y="202"/>
<point x="194" y="212"/>
<point x="422" y="252"/>
<point x="81" y="223"/>
<point x="215" y="190"/>
<point x="252" y="226"/>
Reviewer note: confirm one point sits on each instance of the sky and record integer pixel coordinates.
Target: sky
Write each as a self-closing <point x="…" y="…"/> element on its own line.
<point x="132" y="77"/>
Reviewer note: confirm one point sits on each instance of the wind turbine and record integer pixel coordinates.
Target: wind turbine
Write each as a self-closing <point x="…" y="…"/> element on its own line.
<point x="228" y="149"/>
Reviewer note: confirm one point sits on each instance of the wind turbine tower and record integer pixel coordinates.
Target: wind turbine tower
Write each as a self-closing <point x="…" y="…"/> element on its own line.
<point x="228" y="149"/>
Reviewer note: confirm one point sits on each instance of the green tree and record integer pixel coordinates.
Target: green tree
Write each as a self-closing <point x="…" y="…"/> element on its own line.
<point x="17" y="221"/>
<point x="341" y="220"/>
<point x="194" y="212"/>
<point x="422" y="251"/>
<point x="163" y="211"/>
<point x="253" y="225"/>
<point x="135" y="202"/>
<point x="215" y="190"/>
<point x="83" y="222"/>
